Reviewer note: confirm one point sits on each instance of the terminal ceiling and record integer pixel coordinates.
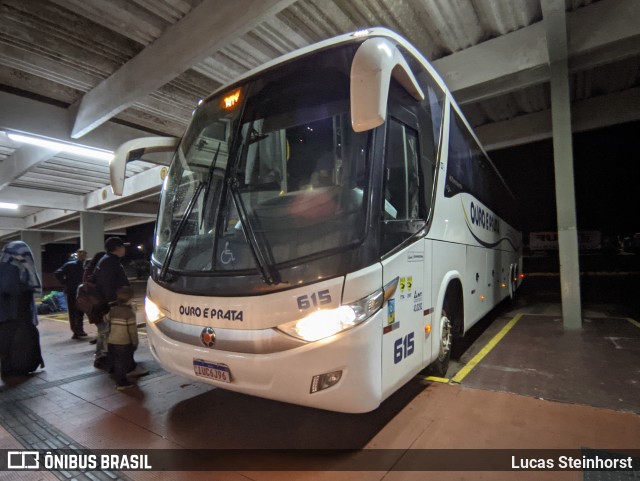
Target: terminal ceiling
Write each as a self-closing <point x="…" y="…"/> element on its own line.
<point x="98" y="73"/>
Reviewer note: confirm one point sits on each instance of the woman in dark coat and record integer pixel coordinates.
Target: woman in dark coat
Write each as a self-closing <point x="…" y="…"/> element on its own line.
<point x="19" y="338"/>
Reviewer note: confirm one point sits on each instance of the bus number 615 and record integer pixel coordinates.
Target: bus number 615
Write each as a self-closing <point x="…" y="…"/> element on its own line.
<point x="403" y="347"/>
<point x="316" y="299"/>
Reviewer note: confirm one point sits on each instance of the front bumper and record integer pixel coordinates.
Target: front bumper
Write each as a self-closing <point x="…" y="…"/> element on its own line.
<point x="286" y="375"/>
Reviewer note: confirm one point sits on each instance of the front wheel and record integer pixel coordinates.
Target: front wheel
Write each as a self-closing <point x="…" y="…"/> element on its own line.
<point x="441" y="364"/>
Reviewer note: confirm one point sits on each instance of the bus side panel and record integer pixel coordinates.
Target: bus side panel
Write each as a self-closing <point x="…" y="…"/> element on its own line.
<point x="492" y="268"/>
<point x="402" y="320"/>
<point x="428" y="305"/>
<point x="475" y="291"/>
<point x="500" y="261"/>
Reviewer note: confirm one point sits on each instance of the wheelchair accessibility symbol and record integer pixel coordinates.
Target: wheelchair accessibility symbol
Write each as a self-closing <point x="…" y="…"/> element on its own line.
<point x="227" y="256"/>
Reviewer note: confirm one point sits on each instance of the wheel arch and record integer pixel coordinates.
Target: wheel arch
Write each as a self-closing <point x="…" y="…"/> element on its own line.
<point x="451" y="285"/>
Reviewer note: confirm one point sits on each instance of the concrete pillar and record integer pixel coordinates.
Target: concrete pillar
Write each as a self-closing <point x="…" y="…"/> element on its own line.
<point x="33" y="239"/>
<point x="91" y="232"/>
<point x="565" y="198"/>
<point x="556" y="33"/>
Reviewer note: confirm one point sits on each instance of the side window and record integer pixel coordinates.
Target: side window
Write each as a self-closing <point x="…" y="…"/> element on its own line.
<point x="470" y="171"/>
<point x="402" y="181"/>
<point x="430" y="114"/>
<point x="403" y="201"/>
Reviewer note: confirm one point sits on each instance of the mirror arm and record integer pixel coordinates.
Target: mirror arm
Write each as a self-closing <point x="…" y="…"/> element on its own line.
<point x="123" y="154"/>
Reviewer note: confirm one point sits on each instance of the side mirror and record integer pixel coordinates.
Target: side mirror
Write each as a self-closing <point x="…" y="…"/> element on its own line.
<point x="133" y="150"/>
<point x="375" y="62"/>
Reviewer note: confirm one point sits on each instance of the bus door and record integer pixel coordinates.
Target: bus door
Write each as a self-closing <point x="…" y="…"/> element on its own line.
<point x="403" y="254"/>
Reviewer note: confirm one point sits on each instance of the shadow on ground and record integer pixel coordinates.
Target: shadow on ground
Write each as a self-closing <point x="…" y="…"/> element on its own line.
<point x="221" y="419"/>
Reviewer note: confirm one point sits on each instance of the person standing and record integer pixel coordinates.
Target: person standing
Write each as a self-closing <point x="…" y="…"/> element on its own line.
<point x="123" y="339"/>
<point x="88" y="278"/>
<point x="91" y="267"/>
<point x="19" y="338"/>
<point x="108" y="276"/>
<point x="70" y="276"/>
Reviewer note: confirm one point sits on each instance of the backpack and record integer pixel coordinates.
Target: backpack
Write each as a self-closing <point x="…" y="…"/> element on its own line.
<point x="50" y="300"/>
<point x="90" y="301"/>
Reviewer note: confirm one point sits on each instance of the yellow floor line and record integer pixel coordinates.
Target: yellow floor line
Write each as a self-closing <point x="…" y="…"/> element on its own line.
<point x="47" y="318"/>
<point x="485" y="350"/>
<point x="443" y="380"/>
<point x="66" y="321"/>
<point x="635" y="323"/>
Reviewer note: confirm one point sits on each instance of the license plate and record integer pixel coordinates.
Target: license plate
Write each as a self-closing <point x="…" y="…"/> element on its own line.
<point x="212" y="370"/>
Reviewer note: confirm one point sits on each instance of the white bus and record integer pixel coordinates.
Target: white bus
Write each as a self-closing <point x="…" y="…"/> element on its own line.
<point x="329" y="227"/>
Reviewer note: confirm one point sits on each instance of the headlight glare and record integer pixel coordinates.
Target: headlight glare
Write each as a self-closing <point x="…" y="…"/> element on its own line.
<point x="153" y="312"/>
<point x="325" y="323"/>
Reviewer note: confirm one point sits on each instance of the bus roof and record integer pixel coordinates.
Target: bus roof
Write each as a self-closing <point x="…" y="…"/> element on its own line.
<point x="355" y="36"/>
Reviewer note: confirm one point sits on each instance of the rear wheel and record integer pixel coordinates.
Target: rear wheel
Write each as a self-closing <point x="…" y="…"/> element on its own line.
<point x="513" y="280"/>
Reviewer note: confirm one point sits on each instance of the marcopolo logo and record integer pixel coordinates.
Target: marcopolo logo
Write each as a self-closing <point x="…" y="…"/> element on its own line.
<point x="484" y="219"/>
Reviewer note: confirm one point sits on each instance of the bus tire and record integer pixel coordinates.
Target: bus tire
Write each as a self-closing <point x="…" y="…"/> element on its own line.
<point x="453" y="306"/>
<point x="512" y="292"/>
<point x="513" y="280"/>
<point x="441" y="364"/>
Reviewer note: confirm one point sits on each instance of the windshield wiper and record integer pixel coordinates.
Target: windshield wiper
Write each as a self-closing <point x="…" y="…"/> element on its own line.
<point x="187" y="213"/>
<point x="179" y="229"/>
<point x="268" y="271"/>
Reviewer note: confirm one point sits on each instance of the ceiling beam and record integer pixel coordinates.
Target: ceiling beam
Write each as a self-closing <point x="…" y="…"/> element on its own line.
<point x="600" y="33"/>
<point x="210" y="26"/>
<point x="137" y="187"/>
<point x="611" y="109"/>
<point x="25" y="115"/>
<point x="114" y="226"/>
<point x="57" y="237"/>
<point x="120" y="223"/>
<point x="555" y="27"/>
<point x="21" y="160"/>
<point x="12" y="223"/>
<point x="41" y="198"/>
<point x="147" y="215"/>
<point x="48" y="217"/>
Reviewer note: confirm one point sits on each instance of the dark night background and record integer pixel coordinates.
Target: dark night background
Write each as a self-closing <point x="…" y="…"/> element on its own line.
<point x="606" y="178"/>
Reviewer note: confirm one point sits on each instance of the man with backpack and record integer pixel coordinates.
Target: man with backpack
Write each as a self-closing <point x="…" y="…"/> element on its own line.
<point x="70" y="276"/>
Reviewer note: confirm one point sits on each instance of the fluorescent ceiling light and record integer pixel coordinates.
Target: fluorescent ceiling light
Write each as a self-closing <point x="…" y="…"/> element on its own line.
<point x="62" y="147"/>
<point x="6" y="205"/>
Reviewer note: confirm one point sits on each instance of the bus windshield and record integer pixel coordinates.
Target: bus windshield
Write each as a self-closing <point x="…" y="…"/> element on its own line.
<point x="268" y="173"/>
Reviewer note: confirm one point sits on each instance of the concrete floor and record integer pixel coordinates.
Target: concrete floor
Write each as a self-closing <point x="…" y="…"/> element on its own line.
<point x="505" y="402"/>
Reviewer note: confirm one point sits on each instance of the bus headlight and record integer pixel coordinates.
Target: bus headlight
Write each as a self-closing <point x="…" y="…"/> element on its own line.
<point x="325" y="323"/>
<point x="153" y="312"/>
